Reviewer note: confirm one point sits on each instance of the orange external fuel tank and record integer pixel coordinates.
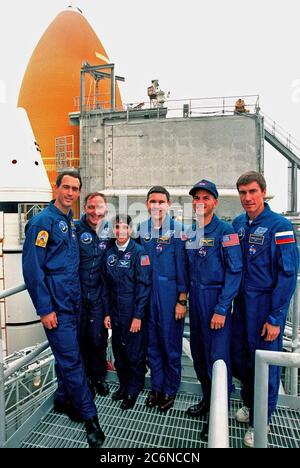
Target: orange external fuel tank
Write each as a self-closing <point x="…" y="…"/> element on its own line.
<point x="51" y="83"/>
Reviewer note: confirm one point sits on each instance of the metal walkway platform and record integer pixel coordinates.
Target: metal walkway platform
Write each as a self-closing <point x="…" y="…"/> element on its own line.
<point x="142" y="427"/>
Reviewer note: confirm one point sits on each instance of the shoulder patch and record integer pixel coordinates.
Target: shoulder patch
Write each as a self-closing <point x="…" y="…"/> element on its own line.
<point x="42" y="239"/>
<point x="286" y="237"/>
<point x="145" y="260"/>
<point x="229" y="240"/>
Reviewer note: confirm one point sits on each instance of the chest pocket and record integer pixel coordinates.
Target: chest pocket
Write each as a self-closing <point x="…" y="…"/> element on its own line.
<point x="259" y="247"/>
<point x="62" y="232"/>
<point x="122" y="274"/>
<point x="210" y="264"/>
<point x="288" y="258"/>
<point x="123" y="263"/>
<point x="164" y="246"/>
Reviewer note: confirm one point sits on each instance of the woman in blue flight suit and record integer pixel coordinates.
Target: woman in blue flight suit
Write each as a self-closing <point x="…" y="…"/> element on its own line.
<point x="128" y="280"/>
<point x="215" y="268"/>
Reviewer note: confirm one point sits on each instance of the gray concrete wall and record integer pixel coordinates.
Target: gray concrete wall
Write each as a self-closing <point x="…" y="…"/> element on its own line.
<point x="178" y="152"/>
<point x="119" y="154"/>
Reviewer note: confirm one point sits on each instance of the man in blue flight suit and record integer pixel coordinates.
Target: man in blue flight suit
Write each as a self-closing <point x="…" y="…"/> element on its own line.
<point x="94" y="238"/>
<point x="51" y="274"/>
<point x="271" y="261"/>
<point x="163" y="241"/>
<point x="128" y="283"/>
<point x="215" y="269"/>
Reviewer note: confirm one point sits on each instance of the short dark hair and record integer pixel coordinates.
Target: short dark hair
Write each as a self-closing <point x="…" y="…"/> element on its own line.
<point x="158" y="189"/>
<point x="93" y="195"/>
<point x="74" y="174"/>
<point x="122" y="218"/>
<point x="252" y="176"/>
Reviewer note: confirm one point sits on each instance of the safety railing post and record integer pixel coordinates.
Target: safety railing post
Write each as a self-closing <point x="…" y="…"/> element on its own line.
<point x="261" y="386"/>
<point x="218" y="433"/>
<point x="2" y="395"/>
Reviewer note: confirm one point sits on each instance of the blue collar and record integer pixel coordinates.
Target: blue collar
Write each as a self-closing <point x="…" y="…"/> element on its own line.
<point x="209" y="228"/>
<point x="264" y="214"/>
<point x="130" y="247"/>
<point x="168" y="224"/>
<point x="55" y="210"/>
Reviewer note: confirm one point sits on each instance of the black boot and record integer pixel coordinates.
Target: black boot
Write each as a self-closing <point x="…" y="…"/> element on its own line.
<point x="128" y="402"/>
<point x="102" y="387"/>
<point x="95" y="435"/>
<point x="119" y="394"/>
<point x="67" y="408"/>
<point x="167" y="402"/>
<point x="200" y="409"/>
<point x="154" y="399"/>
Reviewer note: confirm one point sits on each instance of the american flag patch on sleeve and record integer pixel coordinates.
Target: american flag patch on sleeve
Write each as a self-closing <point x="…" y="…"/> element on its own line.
<point x="230" y="240"/>
<point x="286" y="237"/>
<point x="145" y="260"/>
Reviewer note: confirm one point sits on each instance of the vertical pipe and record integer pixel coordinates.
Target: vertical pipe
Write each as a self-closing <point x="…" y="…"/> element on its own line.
<point x="2" y="394"/>
<point x="261" y="402"/>
<point x="289" y="195"/>
<point x="218" y="434"/>
<point x="260" y="141"/>
<point x="295" y="337"/>
<point x="82" y="92"/>
<point x="112" y="87"/>
<point x="292" y="187"/>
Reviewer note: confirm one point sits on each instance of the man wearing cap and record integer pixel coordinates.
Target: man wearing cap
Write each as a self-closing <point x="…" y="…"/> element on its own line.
<point x="164" y="242"/>
<point x="215" y="269"/>
<point x="271" y="261"/>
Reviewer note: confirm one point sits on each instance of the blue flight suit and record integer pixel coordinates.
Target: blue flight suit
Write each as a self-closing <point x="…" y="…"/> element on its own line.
<point x="93" y="335"/>
<point x="166" y="249"/>
<point x="128" y="284"/>
<point x="271" y="261"/>
<point x="215" y="269"/>
<point x="50" y="270"/>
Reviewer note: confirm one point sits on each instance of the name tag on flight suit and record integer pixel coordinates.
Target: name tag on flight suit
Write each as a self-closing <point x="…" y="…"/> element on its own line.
<point x="256" y="239"/>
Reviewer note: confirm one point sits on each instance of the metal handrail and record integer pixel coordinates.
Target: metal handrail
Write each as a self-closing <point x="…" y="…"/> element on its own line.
<point x="208" y="105"/>
<point x="12" y="291"/>
<point x="263" y="359"/>
<point x="4" y="374"/>
<point x="281" y="134"/>
<point x="216" y="104"/>
<point x="218" y="434"/>
<point x="17" y="365"/>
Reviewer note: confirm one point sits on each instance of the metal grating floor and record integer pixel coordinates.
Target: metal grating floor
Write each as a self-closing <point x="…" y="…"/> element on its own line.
<point x="148" y="428"/>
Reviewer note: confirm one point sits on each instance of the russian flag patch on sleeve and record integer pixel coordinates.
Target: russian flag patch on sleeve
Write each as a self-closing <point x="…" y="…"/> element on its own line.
<point x="286" y="237"/>
<point x="230" y="240"/>
<point x="145" y="260"/>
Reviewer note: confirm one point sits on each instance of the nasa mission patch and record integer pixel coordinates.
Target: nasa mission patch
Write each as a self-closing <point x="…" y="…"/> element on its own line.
<point x="42" y="239"/>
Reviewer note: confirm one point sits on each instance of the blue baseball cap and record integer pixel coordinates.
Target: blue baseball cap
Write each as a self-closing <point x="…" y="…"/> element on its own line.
<point x="204" y="185"/>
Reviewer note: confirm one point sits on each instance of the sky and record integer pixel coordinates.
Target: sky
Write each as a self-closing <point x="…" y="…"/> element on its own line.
<point x="194" y="48"/>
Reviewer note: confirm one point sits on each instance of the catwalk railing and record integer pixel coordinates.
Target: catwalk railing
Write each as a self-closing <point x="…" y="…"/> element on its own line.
<point x="36" y="368"/>
<point x="264" y="359"/>
<point x="189" y="107"/>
